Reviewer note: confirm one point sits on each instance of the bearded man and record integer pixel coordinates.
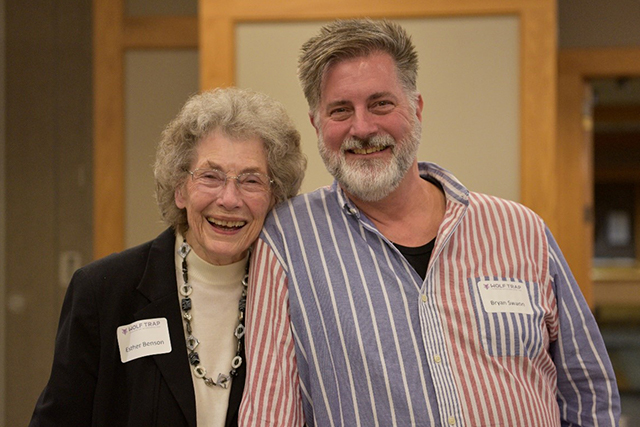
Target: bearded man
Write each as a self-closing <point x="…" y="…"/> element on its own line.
<point x="396" y="297"/>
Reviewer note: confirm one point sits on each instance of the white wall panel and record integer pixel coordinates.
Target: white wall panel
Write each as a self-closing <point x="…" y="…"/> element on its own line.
<point x="469" y="79"/>
<point x="157" y="84"/>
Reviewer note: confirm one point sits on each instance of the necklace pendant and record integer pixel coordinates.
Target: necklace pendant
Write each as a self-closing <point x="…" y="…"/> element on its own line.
<point x="223" y="380"/>
<point x="184" y="249"/>
<point x="239" y="331"/>
<point x="236" y="362"/>
<point x="192" y="342"/>
<point x="185" y="290"/>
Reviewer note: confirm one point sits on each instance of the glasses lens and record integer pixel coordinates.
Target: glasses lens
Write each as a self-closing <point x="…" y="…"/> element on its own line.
<point x="211" y="178"/>
<point x="253" y="182"/>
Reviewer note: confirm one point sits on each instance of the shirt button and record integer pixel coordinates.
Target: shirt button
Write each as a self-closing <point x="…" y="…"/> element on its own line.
<point x="424" y="298"/>
<point x="452" y="420"/>
<point x="437" y="359"/>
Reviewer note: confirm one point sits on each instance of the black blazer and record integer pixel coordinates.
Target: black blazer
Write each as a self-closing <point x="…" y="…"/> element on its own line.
<point x="89" y="385"/>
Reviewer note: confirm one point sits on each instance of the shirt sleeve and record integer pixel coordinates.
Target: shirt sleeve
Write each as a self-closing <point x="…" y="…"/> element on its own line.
<point x="272" y="393"/>
<point x="68" y="396"/>
<point x="587" y="390"/>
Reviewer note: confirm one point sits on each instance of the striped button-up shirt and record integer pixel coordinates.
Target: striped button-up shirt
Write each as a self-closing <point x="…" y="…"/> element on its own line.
<point x="343" y="332"/>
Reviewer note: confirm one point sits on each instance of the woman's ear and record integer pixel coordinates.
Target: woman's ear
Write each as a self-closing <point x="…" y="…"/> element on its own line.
<point x="179" y="197"/>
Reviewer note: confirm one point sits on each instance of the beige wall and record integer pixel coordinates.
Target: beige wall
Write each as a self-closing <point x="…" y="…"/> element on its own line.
<point x="597" y="23"/>
<point x="160" y="7"/>
<point x="47" y="197"/>
<point x="157" y="84"/>
<point x="2" y="218"/>
<point x="468" y="78"/>
<point x="26" y="211"/>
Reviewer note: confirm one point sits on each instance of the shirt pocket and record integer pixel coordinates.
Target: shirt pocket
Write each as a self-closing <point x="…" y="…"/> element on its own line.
<point x="509" y="316"/>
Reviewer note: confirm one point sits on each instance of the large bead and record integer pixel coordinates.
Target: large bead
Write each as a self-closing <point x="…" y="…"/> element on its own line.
<point x="192" y="342"/>
<point x="194" y="359"/>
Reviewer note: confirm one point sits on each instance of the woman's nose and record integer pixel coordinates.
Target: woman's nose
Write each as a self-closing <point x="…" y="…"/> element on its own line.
<point x="230" y="196"/>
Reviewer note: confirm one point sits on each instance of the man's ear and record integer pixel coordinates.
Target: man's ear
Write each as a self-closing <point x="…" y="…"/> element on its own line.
<point x="419" y="107"/>
<point x="312" y="119"/>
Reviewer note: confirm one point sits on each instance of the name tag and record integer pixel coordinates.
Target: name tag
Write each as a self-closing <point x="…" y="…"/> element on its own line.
<point x="504" y="297"/>
<point x="143" y="338"/>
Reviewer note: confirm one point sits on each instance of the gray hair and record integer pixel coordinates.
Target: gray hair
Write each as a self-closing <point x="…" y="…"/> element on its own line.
<point x="239" y="114"/>
<point x="354" y="38"/>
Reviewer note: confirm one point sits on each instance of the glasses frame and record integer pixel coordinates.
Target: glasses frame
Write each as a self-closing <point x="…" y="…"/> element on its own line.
<point x="227" y="176"/>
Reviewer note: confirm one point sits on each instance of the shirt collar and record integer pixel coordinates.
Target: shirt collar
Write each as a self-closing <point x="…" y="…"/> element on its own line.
<point x="453" y="189"/>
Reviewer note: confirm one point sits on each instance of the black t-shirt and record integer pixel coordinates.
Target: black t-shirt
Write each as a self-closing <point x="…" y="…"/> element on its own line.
<point x="418" y="257"/>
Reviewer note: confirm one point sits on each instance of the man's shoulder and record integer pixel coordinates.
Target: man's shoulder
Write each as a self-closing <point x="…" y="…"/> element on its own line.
<point x="506" y="206"/>
<point x="298" y="210"/>
<point x="306" y="201"/>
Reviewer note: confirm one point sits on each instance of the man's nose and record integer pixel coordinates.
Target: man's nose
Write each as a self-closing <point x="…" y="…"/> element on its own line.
<point x="363" y="125"/>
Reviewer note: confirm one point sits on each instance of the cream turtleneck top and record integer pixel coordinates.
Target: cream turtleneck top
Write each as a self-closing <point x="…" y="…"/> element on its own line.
<point x="216" y="292"/>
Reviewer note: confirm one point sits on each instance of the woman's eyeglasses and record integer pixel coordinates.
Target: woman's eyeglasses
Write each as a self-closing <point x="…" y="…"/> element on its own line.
<point x="248" y="182"/>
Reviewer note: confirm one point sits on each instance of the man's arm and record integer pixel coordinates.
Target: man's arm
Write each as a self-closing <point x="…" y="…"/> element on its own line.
<point x="272" y="394"/>
<point x="587" y="390"/>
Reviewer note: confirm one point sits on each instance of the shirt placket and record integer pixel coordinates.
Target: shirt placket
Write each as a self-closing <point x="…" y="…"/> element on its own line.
<point x="433" y="334"/>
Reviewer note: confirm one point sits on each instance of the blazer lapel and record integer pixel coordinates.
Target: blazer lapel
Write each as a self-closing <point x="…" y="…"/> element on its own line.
<point x="159" y="286"/>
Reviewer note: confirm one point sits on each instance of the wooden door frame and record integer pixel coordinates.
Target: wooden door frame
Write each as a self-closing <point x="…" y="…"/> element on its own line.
<point x="113" y="35"/>
<point x="575" y="68"/>
<point x="214" y="32"/>
<point x="538" y="48"/>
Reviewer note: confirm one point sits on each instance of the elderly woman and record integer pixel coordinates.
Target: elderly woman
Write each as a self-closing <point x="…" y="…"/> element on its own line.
<point x="154" y="335"/>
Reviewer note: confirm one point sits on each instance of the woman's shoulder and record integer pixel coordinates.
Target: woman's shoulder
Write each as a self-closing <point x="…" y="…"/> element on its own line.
<point x="129" y="265"/>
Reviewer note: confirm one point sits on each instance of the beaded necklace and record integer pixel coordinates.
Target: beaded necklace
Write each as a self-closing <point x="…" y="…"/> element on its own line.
<point x="192" y="342"/>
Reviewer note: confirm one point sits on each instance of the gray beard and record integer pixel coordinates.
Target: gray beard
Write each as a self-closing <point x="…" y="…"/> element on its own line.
<point x="372" y="180"/>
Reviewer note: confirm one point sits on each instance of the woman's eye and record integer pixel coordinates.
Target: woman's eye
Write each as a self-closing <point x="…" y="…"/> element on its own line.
<point x="251" y="180"/>
<point x="211" y="177"/>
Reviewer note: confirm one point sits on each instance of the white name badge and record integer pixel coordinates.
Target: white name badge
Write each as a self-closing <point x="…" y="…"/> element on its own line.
<point x="504" y="297"/>
<point x="143" y="338"/>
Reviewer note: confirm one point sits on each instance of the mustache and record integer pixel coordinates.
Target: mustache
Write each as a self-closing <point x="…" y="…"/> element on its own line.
<point x="375" y="141"/>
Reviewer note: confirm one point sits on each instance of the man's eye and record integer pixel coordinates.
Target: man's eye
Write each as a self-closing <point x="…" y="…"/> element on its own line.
<point x="382" y="105"/>
<point x="339" y="113"/>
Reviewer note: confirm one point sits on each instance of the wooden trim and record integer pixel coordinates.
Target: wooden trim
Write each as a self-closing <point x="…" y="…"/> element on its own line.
<point x="216" y="25"/>
<point x="160" y="32"/>
<point x="314" y="10"/>
<point x="217" y="50"/>
<point x="575" y="68"/>
<point x="538" y="67"/>
<point x="113" y="34"/>
<point x="636" y="219"/>
<point x="599" y="62"/>
<point x="538" y="50"/>
<point x="573" y="170"/>
<point x="617" y="293"/>
<point x="617" y="114"/>
<point x="617" y="175"/>
<point x="108" y="127"/>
